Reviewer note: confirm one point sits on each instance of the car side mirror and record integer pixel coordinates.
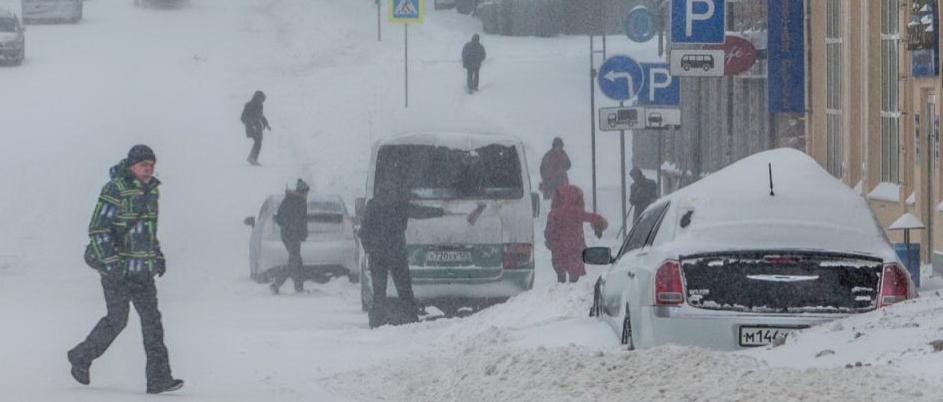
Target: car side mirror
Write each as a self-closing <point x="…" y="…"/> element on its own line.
<point x="535" y="203"/>
<point x="250" y="221"/>
<point x="598" y="256"/>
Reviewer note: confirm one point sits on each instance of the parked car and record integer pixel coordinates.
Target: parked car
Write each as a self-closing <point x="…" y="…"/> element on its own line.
<point x="12" y="38"/>
<point x="744" y="257"/>
<point x="455" y="264"/>
<point x="161" y="3"/>
<point x="52" y="11"/>
<point x="443" y="4"/>
<point x="330" y="250"/>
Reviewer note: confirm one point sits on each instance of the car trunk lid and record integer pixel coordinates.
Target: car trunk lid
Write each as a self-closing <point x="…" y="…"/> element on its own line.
<point x="782" y="281"/>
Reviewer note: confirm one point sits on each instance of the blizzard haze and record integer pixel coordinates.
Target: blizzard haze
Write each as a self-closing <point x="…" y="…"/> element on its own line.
<point x="176" y="79"/>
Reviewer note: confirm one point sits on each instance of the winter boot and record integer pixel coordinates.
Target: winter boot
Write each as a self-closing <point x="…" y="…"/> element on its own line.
<point x="168" y="386"/>
<point x="79" y="371"/>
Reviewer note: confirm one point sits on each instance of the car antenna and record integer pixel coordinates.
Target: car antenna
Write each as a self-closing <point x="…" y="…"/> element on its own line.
<point x="771" y="193"/>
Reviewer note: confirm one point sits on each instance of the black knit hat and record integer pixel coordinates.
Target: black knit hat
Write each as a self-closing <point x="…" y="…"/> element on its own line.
<point x="140" y="153"/>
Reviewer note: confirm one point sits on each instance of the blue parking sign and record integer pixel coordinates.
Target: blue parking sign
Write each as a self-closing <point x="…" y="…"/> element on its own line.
<point x="659" y="88"/>
<point x="698" y="21"/>
<point x="621" y="78"/>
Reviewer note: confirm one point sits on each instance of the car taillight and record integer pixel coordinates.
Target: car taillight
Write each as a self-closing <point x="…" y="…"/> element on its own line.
<point x="348" y="228"/>
<point x="518" y="256"/>
<point x="894" y="285"/>
<point x="668" y="288"/>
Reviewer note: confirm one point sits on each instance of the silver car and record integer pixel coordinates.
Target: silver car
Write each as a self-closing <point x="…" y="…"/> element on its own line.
<point x="330" y="250"/>
<point x="765" y="247"/>
<point x="12" y="38"/>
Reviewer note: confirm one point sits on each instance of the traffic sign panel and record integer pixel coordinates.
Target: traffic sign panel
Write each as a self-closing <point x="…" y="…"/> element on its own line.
<point x="660" y="87"/>
<point x="697" y="62"/>
<point x="639" y="24"/>
<point x="621" y="118"/>
<point x="406" y="11"/>
<point x="621" y="78"/>
<point x="698" y="21"/>
<point x="662" y="118"/>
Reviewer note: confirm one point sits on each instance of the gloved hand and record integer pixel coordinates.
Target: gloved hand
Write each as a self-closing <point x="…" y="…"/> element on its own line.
<point x="598" y="234"/>
<point x="160" y="266"/>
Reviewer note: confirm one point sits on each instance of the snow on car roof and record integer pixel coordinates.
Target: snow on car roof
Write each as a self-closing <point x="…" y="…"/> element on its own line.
<point x="811" y="209"/>
<point x="464" y="141"/>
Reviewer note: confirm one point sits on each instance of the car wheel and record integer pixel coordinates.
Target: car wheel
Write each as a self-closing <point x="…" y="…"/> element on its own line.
<point x="627" y="330"/>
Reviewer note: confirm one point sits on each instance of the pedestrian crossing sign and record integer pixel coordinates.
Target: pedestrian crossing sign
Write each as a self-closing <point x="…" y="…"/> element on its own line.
<point x="406" y="11"/>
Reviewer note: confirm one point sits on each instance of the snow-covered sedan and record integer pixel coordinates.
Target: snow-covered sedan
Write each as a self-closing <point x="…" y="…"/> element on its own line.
<point x="767" y="246"/>
<point x="330" y="250"/>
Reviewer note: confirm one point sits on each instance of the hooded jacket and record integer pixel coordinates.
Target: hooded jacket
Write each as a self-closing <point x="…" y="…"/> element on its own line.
<point x="123" y="229"/>
<point x="564" y="231"/>
<point x="292" y="216"/>
<point x="473" y="54"/>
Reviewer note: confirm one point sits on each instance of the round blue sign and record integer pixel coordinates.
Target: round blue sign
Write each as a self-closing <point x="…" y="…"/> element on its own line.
<point x="620" y="78"/>
<point x="639" y="24"/>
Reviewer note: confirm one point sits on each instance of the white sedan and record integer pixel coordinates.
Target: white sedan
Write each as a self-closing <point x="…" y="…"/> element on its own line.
<point x="767" y="246"/>
<point x="330" y="250"/>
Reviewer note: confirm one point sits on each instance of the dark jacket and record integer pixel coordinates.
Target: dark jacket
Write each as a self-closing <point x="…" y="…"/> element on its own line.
<point x="253" y="115"/>
<point x="123" y="229"/>
<point x="383" y="230"/>
<point x="292" y="216"/>
<point x="643" y="194"/>
<point x="473" y="54"/>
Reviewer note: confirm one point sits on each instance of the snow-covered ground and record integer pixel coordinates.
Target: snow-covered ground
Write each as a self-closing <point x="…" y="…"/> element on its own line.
<point x="177" y="79"/>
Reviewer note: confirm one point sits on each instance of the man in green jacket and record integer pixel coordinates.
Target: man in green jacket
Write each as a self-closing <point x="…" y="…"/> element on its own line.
<point x="125" y="251"/>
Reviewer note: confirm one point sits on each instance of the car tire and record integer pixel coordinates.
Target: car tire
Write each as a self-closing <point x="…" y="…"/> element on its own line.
<point x="626" y="338"/>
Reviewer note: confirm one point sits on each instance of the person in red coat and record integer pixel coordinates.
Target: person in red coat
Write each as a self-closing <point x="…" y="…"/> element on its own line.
<point x="564" y="231"/>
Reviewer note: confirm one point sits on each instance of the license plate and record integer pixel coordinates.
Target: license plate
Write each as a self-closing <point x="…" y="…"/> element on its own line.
<point x="762" y="336"/>
<point x="448" y="257"/>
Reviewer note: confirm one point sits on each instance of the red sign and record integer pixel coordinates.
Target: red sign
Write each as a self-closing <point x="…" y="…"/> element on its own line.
<point x="739" y="54"/>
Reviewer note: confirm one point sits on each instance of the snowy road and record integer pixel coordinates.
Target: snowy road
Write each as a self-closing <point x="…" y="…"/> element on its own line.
<point x="177" y="79"/>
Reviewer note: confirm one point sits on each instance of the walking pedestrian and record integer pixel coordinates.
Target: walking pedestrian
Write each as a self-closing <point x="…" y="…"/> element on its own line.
<point x="643" y="192"/>
<point x="564" y="232"/>
<point x="292" y="217"/>
<point x="553" y="168"/>
<point x="473" y="54"/>
<point x="383" y="236"/>
<point x="254" y="119"/>
<point x="126" y="253"/>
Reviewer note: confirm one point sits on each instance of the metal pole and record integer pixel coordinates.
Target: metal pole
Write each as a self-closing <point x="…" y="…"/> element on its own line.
<point x="379" y="37"/>
<point x="661" y="157"/>
<point x="592" y="112"/>
<point x="622" y="160"/>
<point x="406" y="60"/>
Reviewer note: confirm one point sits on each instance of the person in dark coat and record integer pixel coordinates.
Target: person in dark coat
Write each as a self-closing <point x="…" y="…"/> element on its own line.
<point x="553" y="168"/>
<point x="292" y="217"/>
<point x="383" y="236"/>
<point x="124" y="249"/>
<point x="644" y="191"/>
<point x="473" y="54"/>
<point x="254" y="119"/>
<point x="564" y="232"/>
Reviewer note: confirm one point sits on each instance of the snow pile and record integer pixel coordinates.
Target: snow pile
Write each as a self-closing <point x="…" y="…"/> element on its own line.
<point x="906" y="336"/>
<point x="474" y="373"/>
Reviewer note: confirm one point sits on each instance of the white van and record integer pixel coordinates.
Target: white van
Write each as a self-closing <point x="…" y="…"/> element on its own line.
<point x="51" y="11"/>
<point x="453" y="263"/>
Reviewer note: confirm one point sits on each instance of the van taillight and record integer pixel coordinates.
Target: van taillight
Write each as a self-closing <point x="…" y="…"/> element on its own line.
<point x="518" y="256"/>
<point x="894" y="285"/>
<point x="668" y="288"/>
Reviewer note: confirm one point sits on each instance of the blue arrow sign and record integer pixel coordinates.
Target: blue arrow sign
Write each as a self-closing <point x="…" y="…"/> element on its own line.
<point x="698" y="21"/>
<point x="639" y="24"/>
<point x="621" y="78"/>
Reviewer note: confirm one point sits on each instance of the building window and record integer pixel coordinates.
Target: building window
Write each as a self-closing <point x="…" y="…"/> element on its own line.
<point x="890" y="91"/>
<point x="833" y="78"/>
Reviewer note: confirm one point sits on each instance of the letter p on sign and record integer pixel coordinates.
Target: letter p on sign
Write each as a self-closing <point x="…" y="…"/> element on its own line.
<point x="698" y="21"/>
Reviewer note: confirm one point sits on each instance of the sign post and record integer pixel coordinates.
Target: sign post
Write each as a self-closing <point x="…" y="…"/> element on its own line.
<point x="404" y="12"/>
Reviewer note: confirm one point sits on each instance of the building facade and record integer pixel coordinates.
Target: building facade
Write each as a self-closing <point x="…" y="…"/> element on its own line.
<point x="873" y="107"/>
